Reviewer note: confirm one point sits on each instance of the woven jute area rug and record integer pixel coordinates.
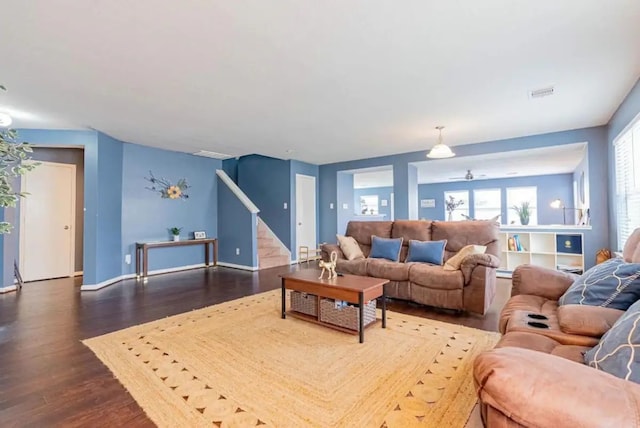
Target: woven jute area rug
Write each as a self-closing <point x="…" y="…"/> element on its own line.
<point x="238" y="364"/>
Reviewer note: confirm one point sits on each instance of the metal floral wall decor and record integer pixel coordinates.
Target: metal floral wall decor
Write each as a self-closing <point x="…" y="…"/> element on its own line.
<point x="166" y="189"/>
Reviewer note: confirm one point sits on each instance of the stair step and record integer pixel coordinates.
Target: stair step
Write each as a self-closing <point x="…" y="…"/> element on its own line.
<point x="273" y="261"/>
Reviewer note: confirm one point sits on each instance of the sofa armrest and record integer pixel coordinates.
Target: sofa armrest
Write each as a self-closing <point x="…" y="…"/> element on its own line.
<point x="326" y="250"/>
<point x="536" y="389"/>
<point x="470" y="262"/>
<point x="587" y="320"/>
<point x="488" y="260"/>
<point x="540" y="281"/>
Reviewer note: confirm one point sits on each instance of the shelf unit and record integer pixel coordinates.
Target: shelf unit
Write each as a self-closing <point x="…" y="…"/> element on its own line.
<point x="554" y="250"/>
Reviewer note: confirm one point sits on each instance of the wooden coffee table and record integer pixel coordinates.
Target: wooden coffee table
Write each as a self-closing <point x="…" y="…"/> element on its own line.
<point x="350" y="288"/>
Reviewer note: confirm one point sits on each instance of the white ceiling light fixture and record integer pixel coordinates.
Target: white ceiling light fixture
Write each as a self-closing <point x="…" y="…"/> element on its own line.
<point x="5" y="119"/>
<point x="440" y="150"/>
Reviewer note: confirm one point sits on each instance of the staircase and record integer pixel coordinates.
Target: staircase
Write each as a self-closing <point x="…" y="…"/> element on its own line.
<point x="271" y="251"/>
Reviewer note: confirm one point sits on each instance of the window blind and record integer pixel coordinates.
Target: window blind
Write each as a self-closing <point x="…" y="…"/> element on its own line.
<point x="627" y="161"/>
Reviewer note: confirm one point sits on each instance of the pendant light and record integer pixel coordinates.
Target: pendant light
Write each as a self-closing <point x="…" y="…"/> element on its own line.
<point x="440" y="150"/>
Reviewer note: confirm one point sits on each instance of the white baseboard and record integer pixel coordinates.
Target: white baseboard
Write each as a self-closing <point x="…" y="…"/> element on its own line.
<point x="235" y="266"/>
<point x="93" y="287"/>
<point x="98" y="286"/>
<point x="78" y="273"/>
<point x="8" y="289"/>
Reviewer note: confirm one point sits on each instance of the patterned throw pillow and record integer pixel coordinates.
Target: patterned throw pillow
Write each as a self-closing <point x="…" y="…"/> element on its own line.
<point x="350" y="247"/>
<point x="385" y="248"/>
<point x="426" y="251"/>
<point x="617" y="352"/>
<point x="612" y="284"/>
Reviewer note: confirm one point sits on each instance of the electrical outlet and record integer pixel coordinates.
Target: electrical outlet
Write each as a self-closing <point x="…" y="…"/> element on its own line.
<point x="331" y="206"/>
<point x="237" y="251"/>
<point x="127" y="259"/>
<point x="285" y="205"/>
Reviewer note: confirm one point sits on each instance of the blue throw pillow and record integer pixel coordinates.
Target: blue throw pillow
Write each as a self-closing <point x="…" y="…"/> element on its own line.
<point x="426" y="251"/>
<point x="385" y="248"/>
<point x="616" y="353"/>
<point x="612" y="284"/>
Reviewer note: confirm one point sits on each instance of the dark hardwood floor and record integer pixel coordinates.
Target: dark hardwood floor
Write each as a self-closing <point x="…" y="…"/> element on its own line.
<point x="49" y="378"/>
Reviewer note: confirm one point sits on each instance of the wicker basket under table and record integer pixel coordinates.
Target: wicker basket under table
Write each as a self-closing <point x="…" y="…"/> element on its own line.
<point x="304" y="303"/>
<point x="346" y="316"/>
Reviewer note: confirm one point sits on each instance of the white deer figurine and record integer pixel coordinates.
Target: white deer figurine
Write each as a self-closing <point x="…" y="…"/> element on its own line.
<point x="330" y="265"/>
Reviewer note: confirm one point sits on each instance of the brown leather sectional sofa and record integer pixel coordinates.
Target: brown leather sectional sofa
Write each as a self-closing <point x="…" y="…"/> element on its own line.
<point x="472" y="288"/>
<point x="536" y="377"/>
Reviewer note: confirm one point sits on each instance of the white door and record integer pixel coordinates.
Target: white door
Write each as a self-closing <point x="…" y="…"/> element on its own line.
<point x="47" y="222"/>
<point x="305" y="212"/>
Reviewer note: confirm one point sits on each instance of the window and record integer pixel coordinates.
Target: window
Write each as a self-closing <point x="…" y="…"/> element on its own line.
<point x="516" y="197"/>
<point x="369" y="204"/>
<point x="627" y="162"/>
<point x="459" y="201"/>
<point x="487" y="204"/>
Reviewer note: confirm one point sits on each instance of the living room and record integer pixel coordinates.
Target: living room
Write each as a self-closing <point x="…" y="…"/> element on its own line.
<point x="250" y="125"/>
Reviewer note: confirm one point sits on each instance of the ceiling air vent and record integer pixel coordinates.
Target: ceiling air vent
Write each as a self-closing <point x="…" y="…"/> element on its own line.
<point x="214" y="155"/>
<point x="542" y="92"/>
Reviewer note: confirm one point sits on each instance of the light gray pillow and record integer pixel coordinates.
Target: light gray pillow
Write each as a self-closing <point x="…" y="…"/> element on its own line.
<point x="618" y="352"/>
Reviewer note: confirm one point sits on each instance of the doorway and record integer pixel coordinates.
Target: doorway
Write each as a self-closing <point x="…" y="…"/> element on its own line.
<point x="306" y="211"/>
<point x="47" y="222"/>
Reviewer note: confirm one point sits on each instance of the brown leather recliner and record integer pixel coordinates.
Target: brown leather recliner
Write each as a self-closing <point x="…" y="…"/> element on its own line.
<point x="536" y="377"/>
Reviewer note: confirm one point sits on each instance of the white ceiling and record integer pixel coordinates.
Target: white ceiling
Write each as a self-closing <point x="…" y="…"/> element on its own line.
<point x="332" y="80"/>
<point x="517" y="163"/>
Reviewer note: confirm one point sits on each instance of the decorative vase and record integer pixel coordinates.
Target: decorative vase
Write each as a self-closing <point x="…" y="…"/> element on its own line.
<point x="450" y="216"/>
<point x="176" y="238"/>
<point x="524" y="221"/>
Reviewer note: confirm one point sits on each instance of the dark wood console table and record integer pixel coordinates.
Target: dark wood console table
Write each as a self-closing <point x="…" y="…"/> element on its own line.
<point x="142" y="252"/>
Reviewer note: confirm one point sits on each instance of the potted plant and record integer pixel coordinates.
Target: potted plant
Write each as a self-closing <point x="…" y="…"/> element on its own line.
<point x="523" y="212"/>
<point x="175" y="232"/>
<point x="451" y="205"/>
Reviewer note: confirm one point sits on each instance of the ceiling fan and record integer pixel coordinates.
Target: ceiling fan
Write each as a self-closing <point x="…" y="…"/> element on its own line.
<point x="468" y="176"/>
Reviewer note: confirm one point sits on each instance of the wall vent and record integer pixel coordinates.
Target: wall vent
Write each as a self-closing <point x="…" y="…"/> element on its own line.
<point x="542" y="92"/>
<point x="214" y="155"/>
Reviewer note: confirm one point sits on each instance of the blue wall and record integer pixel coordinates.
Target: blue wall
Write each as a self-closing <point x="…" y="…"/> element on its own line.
<point x="381" y="192"/>
<point x="344" y="199"/>
<point x="598" y="173"/>
<point x="297" y="167"/>
<point x="109" y="219"/>
<point x="237" y="226"/>
<point x="625" y="113"/>
<point x="550" y="187"/>
<point x="147" y="217"/>
<point x="267" y="182"/>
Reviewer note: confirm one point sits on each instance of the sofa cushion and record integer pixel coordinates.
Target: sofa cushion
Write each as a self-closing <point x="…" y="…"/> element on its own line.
<point x="353" y="267"/>
<point x="350" y="247"/>
<point x="587" y="320"/>
<point x="435" y="277"/>
<point x="613" y="284"/>
<point x="362" y="231"/>
<point x="426" y="251"/>
<point x="385" y="248"/>
<point x="454" y="262"/>
<point x="616" y="353"/>
<point x="629" y="253"/>
<point x="410" y="229"/>
<point x="462" y="233"/>
<point x="381" y="268"/>
<point x="540" y="343"/>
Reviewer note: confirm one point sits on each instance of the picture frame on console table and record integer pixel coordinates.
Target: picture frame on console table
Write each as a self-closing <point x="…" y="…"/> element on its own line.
<point x="200" y="234"/>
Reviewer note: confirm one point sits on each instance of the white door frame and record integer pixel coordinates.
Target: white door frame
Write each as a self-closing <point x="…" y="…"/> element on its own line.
<point x="72" y="256"/>
<point x="315" y="214"/>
